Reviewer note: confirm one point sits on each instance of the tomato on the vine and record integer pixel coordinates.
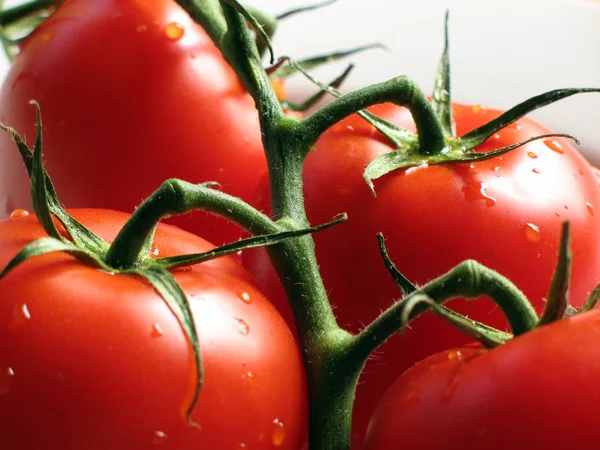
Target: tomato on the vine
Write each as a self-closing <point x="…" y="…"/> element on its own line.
<point x="504" y="212"/>
<point x="537" y="391"/>
<point x="132" y="92"/>
<point x="94" y="360"/>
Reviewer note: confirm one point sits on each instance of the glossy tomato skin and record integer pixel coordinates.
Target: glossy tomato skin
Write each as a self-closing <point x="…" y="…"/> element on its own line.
<point x="132" y="93"/>
<point x="505" y="212"/>
<point x="538" y="391"/>
<point x="96" y="361"/>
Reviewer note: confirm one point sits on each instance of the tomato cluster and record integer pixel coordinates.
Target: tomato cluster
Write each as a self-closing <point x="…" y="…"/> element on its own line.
<point x="94" y="360"/>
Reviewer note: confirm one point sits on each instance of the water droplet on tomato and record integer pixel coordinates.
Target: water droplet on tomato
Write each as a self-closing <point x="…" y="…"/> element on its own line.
<point x="515" y="125"/>
<point x="243" y="326"/>
<point x="242" y="445"/>
<point x="278" y="435"/>
<point x="496" y="169"/>
<point x="536" y="171"/>
<point x="477" y="108"/>
<point x="18" y="213"/>
<point x="141" y="28"/>
<point x="7" y="376"/>
<point x="248" y="377"/>
<point x="455" y="354"/>
<point x="477" y="190"/>
<point x="159" y="438"/>
<point x="532" y="232"/>
<point x="350" y="128"/>
<point x="245" y="297"/>
<point x="47" y="36"/>
<point x="412" y="398"/>
<point x="20" y="317"/>
<point x="557" y="213"/>
<point x="532" y="155"/>
<point x="155" y="252"/>
<point x="174" y="31"/>
<point x="496" y="136"/>
<point x="554" y="146"/>
<point x="590" y="208"/>
<point x="472" y="166"/>
<point x="157" y="331"/>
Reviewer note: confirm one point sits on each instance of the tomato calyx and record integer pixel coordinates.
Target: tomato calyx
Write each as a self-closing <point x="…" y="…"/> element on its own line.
<point x="130" y="253"/>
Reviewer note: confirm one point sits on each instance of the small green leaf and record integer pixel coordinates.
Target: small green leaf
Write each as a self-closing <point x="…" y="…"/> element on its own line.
<point x="558" y="297"/>
<point x="50" y="245"/>
<point x="254" y="23"/>
<point x="591" y="301"/>
<point x="479" y="135"/>
<point x="488" y="336"/>
<point x="293" y="12"/>
<point x="244" y="244"/>
<point x="316" y="61"/>
<point x="441" y="98"/>
<point x="176" y="300"/>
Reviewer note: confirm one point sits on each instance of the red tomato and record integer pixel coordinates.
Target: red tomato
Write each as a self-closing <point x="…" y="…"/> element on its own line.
<point x="505" y="212"/>
<point x="132" y="92"/>
<point x="538" y="391"/>
<point x="96" y="361"/>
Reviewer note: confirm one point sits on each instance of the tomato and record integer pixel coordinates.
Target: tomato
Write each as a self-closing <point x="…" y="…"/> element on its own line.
<point x="537" y="391"/>
<point x="504" y="212"/>
<point x="96" y="361"/>
<point x="132" y="92"/>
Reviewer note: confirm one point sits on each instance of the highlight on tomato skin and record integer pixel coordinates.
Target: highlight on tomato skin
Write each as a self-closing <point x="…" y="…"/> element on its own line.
<point x="504" y="212"/>
<point x="94" y="360"/>
<point x="141" y="95"/>
<point x="537" y="391"/>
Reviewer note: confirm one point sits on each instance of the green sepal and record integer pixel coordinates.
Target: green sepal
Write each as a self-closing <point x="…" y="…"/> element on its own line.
<point x="50" y="245"/>
<point x="441" y="99"/>
<point x="172" y="262"/>
<point x="286" y="71"/>
<point x="303" y="9"/>
<point x="558" y="296"/>
<point x="590" y="303"/>
<point x="168" y="288"/>
<point x="80" y="234"/>
<point x="403" y="159"/>
<point x="484" y="132"/>
<point x="405" y="285"/>
<point x="237" y="6"/>
<point x="486" y="335"/>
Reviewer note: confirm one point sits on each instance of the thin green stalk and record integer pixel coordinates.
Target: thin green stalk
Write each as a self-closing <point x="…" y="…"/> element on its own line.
<point x="467" y="280"/>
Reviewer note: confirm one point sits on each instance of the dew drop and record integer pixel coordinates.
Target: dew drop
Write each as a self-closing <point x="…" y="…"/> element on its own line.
<point x="350" y="128"/>
<point x="278" y="435"/>
<point x="412" y="398"/>
<point x="159" y="438"/>
<point x="243" y="326"/>
<point x="157" y="331"/>
<point x="47" y="36"/>
<point x="477" y="108"/>
<point x="557" y="213"/>
<point x="590" y="208"/>
<point x="174" y="31"/>
<point x="248" y="377"/>
<point x="20" y="317"/>
<point x="496" y="169"/>
<point x="245" y="297"/>
<point x="155" y="252"/>
<point x="7" y="375"/>
<point x="532" y="232"/>
<point x="141" y="28"/>
<point x="554" y="146"/>
<point x="536" y="171"/>
<point x="532" y="155"/>
<point x="18" y="213"/>
<point x="496" y="136"/>
<point x="477" y="190"/>
<point x="455" y="354"/>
